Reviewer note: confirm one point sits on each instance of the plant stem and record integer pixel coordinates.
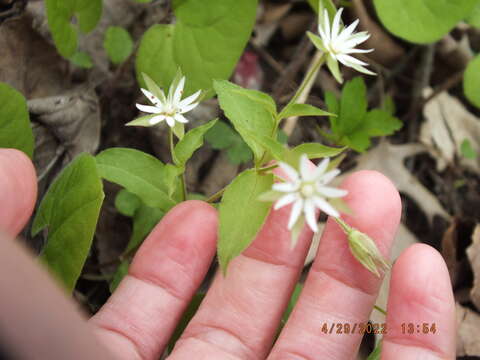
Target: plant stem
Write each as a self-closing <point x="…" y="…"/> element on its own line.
<point x="347" y="229"/>
<point x="182" y="178"/>
<point x="304" y="90"/>
<point x="184" y="187"/>
<point x="216" y="196"/>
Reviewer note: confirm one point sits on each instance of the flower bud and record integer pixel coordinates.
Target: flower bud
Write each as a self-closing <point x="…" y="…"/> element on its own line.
<point x="364" y="249"/>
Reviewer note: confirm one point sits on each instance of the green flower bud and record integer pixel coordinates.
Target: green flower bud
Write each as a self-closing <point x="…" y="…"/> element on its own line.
<point x="364" y="249"/>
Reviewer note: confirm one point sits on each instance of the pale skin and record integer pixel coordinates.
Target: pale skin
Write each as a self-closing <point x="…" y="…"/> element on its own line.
<point x="240" y="315"/>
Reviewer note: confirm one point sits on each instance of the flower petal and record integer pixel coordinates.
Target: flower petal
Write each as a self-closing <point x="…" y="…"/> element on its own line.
<point x="148" y="109"/>
<point x="323" y="205"/>
<point x="295" y="213"/>
<point x="180" y="118"/>
<point x="329" y="176"/>
<point x="326" y="26"/>
<point x="187" y="108"/>
<point x="331" y="192"/>
<point x="285" y="200"/>
<point x="345" y="34"/>
<point x="156" y="119"/>
<point x="321" y="168"/>
<point x="291" y="173"/>
<point x="190" y="99"/>
<point x="349" y="60"/>
<point x="179" y="91"/>
<point x="285" y="187"/>
<point x="152" y="98"/>
<point x="336" y="23"/>
<point x="306" y="171"/>
<point x="310" y="216"/>
<point x="170" y="121"/>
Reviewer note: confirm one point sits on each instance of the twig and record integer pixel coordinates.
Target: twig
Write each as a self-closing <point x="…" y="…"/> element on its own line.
<point x="448" y="84"/>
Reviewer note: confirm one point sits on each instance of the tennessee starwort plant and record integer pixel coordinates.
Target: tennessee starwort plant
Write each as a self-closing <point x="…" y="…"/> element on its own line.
<point x="252" y="124"/>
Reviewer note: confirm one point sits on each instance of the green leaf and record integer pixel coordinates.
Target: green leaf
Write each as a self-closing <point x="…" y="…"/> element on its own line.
<point x="272" y="146"/>
<point x="241" y="214"/>
<point x="59" y="16"/>
<point x="192" y="141"/>
<point x="353" y="105"/>
<point x="467" y="150"/>
<point x="302" y="110"/>
<point x="122" y="271"/>
<point x="323" y="4"/>
<point x="314" y="151"/>
<point x="82" y="59"/>
<point x="249" y="111"/>
<point x="474" y="17"/>
<point x="141" y="121"/>
<point x="144" y="220"/>
<point x="379" y="123"/>
<point x="334" y="68"/>
<point x="70" y="210"/>
<point x="358" y="141"/>
<point x="127" y="203"/>
<point x="422" y="21"/>
<point x="139" y="173"/>
<point x="317" y="41"/>
<point x="118" y="44"/>
<point x="15" y="129"/>
<point x="206" y="42"/>
<point x="221" y="136"/>
<point x="471" y="81"/>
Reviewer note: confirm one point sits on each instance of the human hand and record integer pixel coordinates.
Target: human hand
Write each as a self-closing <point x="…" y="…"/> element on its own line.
<point x="240" y="315"/>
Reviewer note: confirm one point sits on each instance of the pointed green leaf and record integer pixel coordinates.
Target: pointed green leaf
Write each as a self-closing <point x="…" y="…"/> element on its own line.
<point x="315" y="151"/>
<point x="70" y="210"/>
<point x="471" y="81"/>
<point x="353" y="105"/>
<point x="154" y="88"/>
<point x="380" y="123"/>
<point x="249" y="111"/>
<point x="303" y="110"/>
<point x="221" y="136"/>
<point x="127" y="203"/>
<point x="422" y="21"/>
<point x="15" y="129"/>
<point x="142" y="121"/>
<point x="317" y="41"/>
<point x="334" y="68"/>
<point x="192" y="141"/>
<point x="139" y="173"/>
<point x="118" y="44"/>
<point x="206" y="42"/>
<point x="241" y="214"/>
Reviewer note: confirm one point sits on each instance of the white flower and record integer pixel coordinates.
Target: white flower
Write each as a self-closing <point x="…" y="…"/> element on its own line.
<point x="339" y="42"/>
<point x="169" y="108"/>
<point x="308" y="190"/>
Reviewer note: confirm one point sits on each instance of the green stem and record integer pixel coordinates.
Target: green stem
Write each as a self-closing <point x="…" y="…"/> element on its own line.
<point x="182" y="179"/>
<point x="309" y="77"/>
<point x="184" y="187"/>
<point x="267" y="168"/>
<point x="216" y="196"/>
<point x="347" y="229"/>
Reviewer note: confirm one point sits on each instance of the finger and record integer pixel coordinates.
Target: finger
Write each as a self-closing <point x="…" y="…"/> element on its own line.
<point x="36" y="319"/>
<point x="339" y="290"/>
<point x="139" y="318"/>
<point x="420" y="293"/>
<point x="240" y="315"/>
<point x="18" y="190"/>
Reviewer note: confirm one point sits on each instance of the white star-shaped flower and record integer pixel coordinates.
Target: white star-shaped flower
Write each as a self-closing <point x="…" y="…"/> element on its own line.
<point x="308" y="190"/>
<point x="339" y="42"/>
<point x="169" y="108"/>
